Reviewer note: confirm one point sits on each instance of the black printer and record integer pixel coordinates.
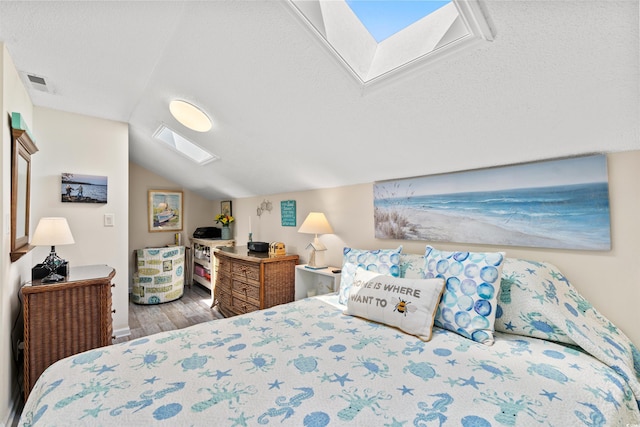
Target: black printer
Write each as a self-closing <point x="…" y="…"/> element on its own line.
<point x="207" y="233"/>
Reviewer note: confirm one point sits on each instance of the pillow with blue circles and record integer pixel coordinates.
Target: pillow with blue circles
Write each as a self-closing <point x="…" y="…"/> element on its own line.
<point x="472" y="283"/>
<point x="382" y="261"/>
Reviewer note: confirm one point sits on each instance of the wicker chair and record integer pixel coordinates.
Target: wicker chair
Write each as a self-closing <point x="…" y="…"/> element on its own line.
<point x="159" y="276"/>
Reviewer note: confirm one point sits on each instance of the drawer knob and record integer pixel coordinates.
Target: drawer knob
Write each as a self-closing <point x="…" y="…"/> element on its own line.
<point x="113" y="311"/>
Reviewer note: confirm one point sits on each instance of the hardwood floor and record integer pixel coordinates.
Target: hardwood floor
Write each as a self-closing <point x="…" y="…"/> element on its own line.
<point x="194" y="307"/>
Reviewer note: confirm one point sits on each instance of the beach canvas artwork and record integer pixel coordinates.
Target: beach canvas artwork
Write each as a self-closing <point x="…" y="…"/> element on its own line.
<point x="77" y="188"/>
<point x="560" y="204"/>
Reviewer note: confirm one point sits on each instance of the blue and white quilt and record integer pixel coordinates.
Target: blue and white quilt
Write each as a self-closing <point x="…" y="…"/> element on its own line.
<point x="308" y="364"/>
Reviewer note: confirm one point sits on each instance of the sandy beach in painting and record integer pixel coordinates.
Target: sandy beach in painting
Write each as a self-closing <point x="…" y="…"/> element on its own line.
<point x="431" y="226"/>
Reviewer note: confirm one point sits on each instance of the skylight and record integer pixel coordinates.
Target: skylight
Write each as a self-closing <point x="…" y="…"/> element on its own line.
<point x="383" y="18"/>
<point x="183" y="146"/>
<point x="411" y="32"/>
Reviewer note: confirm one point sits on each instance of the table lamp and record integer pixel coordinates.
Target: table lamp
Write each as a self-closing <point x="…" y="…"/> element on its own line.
<point x="52" y="231"/>
<point x="316" y="223"/>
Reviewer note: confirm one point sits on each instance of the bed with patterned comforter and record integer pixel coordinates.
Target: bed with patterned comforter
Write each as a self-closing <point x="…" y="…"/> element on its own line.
<point x="308" y="364"/>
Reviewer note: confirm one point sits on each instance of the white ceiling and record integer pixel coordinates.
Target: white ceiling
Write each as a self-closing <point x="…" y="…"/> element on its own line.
<point x="561" y="78"/>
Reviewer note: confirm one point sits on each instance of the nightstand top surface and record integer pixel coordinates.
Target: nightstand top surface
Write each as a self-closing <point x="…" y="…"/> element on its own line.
<point x="81" y="273"/>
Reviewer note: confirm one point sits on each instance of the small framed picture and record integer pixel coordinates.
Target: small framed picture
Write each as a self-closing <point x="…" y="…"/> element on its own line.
<point x="165" y="210"/>
<point x="77" y="188"/>
<point x="225" y="207"/>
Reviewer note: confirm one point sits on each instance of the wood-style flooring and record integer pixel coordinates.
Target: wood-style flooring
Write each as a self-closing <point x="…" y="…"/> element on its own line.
<point x="194" y="307"/>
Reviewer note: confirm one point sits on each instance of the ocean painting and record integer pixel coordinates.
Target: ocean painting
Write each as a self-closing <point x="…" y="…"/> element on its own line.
<point x="78" y="188"/>
<point x="561" y="204"/>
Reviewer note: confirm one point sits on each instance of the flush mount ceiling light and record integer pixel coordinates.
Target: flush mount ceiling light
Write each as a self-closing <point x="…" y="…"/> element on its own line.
<point x="190" y="115"/>
<point x="183" y="146"/>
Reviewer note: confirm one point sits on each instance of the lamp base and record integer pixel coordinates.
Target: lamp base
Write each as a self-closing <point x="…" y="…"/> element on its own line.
<point x="40" y="271"/>
<point x="316" y="259"/>
<point x="52" y="278"/>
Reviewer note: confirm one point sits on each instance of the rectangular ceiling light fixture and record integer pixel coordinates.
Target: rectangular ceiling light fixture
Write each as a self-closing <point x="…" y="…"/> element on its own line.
<point x="183" y="146"/>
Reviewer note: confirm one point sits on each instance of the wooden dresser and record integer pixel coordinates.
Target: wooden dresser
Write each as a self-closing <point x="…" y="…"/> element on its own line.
<point x="65" y="318"/>
<point x="248" y="281"/>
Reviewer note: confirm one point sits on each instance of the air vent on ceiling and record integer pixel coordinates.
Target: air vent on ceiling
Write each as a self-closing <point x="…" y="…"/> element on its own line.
<point x="38" y="83"/>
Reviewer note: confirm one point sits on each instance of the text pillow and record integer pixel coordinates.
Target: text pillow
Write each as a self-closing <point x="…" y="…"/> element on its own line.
<point x="472" y="285"/>
<point x="383" y="261"/>
<point x="407" y="304"/>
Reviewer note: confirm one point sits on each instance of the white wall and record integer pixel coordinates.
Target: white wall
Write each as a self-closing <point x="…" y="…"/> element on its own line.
<point x="610" y="280"/>
<point x="85" y="145"/>
<point x="197" y="211"/>
<point x="12" y="275"/>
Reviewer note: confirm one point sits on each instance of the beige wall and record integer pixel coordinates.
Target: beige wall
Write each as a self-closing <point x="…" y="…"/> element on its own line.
<point x="198" y="211"/>
<point x="13" y="97"/>
<point x="85" y="145"/>
<point x="610" y="280"/>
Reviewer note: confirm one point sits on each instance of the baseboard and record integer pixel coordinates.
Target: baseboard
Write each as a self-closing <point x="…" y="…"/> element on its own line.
<point x="123" y="332"/>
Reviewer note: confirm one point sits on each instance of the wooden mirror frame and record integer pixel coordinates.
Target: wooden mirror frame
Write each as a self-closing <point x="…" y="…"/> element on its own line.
<point x="22" y="148"/>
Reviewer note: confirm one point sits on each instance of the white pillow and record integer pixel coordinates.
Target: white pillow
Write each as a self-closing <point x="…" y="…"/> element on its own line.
<point x="407" y="304"/>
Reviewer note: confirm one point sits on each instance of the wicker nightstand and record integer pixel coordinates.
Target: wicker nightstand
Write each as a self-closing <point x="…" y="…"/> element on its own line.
<point x="65" y="318"/>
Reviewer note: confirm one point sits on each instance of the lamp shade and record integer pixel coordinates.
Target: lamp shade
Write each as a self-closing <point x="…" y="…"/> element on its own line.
<point x="315" y="223"/>
<point x="52" y="231"/>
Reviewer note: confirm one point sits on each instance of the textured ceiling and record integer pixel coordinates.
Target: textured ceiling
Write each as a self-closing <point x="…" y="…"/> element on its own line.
<point x="561" y="78"/>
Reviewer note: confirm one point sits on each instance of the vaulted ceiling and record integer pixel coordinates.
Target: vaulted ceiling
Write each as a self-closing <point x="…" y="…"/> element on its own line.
<point x="560" y="78"/>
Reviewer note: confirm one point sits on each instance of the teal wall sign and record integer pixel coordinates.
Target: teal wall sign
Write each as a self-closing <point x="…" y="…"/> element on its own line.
<point x="17" y="122"/>
<point x="288" y="212"/>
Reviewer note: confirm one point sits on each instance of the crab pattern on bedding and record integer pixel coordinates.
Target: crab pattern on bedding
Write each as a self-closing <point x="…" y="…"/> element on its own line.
<point x="308" y="364"/>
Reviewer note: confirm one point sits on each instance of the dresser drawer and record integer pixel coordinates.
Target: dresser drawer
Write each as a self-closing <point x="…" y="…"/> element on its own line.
<point x="223" y="296"/>
<point x="223" y="266"/>
<point x="242" y="306"/>
<point x="246" y="272"/>
<point x="242" y="289"/>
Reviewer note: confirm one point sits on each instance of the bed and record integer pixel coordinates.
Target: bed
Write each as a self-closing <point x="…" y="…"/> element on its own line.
<point x="552" y="360"/>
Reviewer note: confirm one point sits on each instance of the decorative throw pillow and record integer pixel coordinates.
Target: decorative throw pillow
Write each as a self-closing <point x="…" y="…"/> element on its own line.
<point x="529" y="290"/>
<point x="383" y="261"/>
<point x="472" y="284"/>
<point x="411" y="266"/>
<point x="407" y="304"/>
